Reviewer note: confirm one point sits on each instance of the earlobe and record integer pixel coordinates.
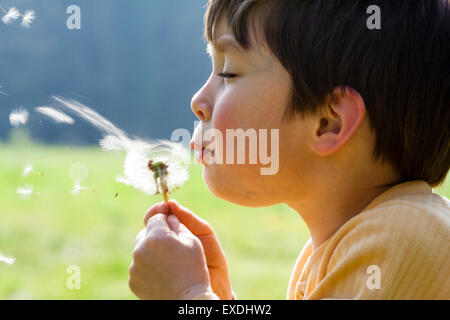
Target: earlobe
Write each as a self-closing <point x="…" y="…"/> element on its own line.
<point x="343" y="117"/>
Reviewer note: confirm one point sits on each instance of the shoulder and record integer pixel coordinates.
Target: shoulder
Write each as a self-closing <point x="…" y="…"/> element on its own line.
<point x="407" y="238"/>
<point x="403" y="220"/>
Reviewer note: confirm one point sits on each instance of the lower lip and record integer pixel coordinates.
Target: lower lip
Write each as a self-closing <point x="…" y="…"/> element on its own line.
<point x="200" y="156"/>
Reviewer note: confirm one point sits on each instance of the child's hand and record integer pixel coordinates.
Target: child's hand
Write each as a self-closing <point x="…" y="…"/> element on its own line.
<point x="168" y="262"/>
<point x="215" y="257"/>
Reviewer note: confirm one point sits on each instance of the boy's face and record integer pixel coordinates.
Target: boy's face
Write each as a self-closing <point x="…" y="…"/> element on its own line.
<point x="254" y="94"/>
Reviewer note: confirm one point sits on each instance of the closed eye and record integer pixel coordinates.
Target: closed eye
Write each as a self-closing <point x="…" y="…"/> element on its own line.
<point x="227" y="75"/>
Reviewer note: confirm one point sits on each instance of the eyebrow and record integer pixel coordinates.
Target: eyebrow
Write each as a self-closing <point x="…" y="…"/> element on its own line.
<point x="224" y="42"/>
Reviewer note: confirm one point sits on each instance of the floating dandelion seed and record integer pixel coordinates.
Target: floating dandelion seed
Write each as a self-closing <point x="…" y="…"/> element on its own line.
<point x="8" y="260"/>
<point x="13" y="14"/>
<point x="139" y="153"/>
<point x="29" y="169"/>
<point x="77" y="188"/>
<point x="10" y="16"/>
<point x="1" y="92"/>
<point x="26" y="191"/>
<point x="18" y="117"/>
<point x="56" y="115"/>
<point x="28" y="18"/>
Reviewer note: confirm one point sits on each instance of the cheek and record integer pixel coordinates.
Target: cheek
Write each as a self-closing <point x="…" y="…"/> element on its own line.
<point x="225" y="116"/>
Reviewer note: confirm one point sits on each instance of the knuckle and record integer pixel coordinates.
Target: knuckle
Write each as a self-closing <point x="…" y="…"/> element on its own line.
<point x="132" y="284"/>
<point x="154" y="218"/>
<point x="139" y="253"/>
<point x="132" y="269"/>
<point x="197" y="244"/>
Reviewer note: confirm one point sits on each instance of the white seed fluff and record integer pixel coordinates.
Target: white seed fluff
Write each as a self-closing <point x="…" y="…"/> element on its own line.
<point x="56" y="115"/>
<point x="12" y="15"/>
<point x="18" y="117"/>
<point x="8" y="260"/>
<point x="28" y="18"/>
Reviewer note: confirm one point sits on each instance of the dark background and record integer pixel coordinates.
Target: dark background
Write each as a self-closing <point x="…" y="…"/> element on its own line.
<point x="136" y="62"/>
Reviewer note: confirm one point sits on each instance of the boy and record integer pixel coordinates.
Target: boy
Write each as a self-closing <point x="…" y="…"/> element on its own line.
<point x="363" y="119"/>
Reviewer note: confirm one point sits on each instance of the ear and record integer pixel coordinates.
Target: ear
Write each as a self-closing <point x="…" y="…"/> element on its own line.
<point x="339" y="121"/>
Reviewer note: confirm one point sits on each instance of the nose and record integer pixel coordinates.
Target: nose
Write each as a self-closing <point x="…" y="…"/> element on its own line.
<point x="201" y="104"/>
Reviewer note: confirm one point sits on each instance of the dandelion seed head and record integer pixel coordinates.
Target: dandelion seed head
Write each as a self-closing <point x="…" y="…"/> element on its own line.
<point x="138" y="175"/>
<point x="12" y="15"/>
<point x="114" y="143"/>
<point x="18" y="117"/>
<point x="56" y="115"/>
<point x="28" y="18"/>
<point x="138" y="152"/>
<point x="8" y="260"/>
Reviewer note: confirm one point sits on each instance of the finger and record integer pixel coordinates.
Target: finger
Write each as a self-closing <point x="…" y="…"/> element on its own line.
<point x="177" y="226"/>
<point x="174" y="224"/>
<point x="158" y="226"/>
<point x="194" y="223"/>
<point x="160" y="207"/>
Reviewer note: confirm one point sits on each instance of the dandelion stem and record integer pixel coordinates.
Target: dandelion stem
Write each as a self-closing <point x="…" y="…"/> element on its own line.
<point x="6" y="12"/>
<point x="166" y="198"/>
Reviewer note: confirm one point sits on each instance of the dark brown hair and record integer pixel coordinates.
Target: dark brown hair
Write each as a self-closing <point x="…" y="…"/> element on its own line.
<point x="401" y="70"/>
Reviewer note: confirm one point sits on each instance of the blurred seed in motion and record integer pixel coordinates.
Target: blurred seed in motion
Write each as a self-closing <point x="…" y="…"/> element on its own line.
<point x="18" y="117"/>
<point x="77" y="188"/>
<point x="8" y="260"/>
<point x="26" y="191"/>
<point x="56" y="115"/>
<point x="29" y="169"/>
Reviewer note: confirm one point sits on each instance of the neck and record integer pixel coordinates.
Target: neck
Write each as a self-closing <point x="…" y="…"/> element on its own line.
<point x="325" y="211"/>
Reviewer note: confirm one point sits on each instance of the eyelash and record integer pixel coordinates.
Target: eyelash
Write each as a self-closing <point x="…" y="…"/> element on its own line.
<point x="226" y="75"/>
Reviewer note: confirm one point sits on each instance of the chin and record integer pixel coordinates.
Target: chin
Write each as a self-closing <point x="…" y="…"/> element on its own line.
<point x="222" y="184"/>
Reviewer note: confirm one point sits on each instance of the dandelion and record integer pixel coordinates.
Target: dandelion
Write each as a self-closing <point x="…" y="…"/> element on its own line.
<point x="77" y="188"/>
<point x="10" y="16"/>
<point x="8" y="260"/>
<point x="156" y="169"/>
<point x="28" y="18"/>
<point x="18" y="117"/>
<point x="56" y="115"/>
<point x="153" y="168"/>
<point x="26" y="191"/>
<point x="29" y="169"/>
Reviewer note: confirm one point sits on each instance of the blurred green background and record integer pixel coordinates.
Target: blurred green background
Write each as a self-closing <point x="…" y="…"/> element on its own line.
<point x="96" y="231"/>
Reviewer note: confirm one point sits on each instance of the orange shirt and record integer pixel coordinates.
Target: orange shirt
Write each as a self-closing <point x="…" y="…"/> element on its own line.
<point x="398" y="247"/>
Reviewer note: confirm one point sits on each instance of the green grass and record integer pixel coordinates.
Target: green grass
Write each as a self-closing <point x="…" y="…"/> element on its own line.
<point x="96" y="231"/>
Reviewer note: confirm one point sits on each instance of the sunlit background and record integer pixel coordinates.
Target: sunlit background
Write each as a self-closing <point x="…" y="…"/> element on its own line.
<point x="137" y="63"/>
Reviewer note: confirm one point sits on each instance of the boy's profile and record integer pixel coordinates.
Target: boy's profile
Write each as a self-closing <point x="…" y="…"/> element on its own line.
<point x="363" y="118"/>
